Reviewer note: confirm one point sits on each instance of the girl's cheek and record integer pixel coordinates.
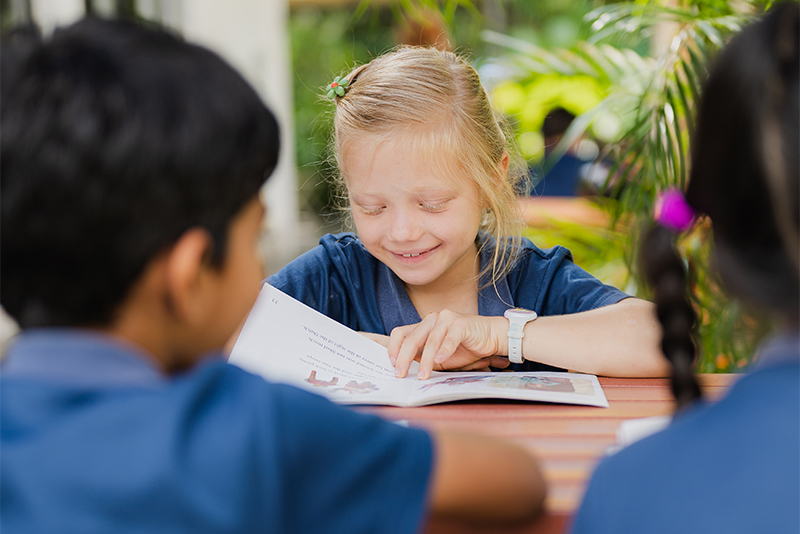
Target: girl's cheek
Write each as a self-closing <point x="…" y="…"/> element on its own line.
<point x="364" y="226"/>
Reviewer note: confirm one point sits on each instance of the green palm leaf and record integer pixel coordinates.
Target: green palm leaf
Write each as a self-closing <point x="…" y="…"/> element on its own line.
<point x="656" y="98"/>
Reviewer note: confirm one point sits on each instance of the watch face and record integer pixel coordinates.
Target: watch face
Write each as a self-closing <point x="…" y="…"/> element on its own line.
<point x="520" y="313"/>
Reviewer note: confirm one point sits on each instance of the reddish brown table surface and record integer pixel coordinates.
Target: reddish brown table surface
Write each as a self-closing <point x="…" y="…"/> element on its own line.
<point x="569" y="440"/>
<point x="545" y="212"/>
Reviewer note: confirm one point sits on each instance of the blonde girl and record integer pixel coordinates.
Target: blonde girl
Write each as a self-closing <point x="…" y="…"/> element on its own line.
<point x="437" y="257"/>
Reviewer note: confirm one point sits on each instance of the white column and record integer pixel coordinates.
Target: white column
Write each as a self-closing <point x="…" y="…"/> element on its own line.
<point x="253" y="36"/>
<point x="51" y="13"/>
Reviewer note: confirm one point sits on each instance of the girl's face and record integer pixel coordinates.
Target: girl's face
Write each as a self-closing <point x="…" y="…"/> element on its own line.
<point x="420" y="224"/>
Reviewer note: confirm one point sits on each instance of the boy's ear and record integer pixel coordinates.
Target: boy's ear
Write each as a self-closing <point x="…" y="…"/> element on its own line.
<point x="186" y="264"/>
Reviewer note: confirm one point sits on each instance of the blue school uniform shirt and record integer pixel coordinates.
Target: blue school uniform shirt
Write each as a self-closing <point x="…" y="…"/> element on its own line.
<point x="731" y="467"/>
<point x="562" y="180"/>
<point x="342" y="280"/>
<point x="96" y="440"/>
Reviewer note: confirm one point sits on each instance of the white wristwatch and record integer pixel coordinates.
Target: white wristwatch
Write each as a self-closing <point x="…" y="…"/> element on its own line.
<point x="517" y="319"/>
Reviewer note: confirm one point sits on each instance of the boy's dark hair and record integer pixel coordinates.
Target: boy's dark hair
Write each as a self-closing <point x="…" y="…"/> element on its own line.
<point x="556" y="122"/>
<point x="745" y="178"/>
<point x="116" y="138"/>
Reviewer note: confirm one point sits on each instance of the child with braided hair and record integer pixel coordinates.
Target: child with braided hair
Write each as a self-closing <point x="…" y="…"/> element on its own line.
<point x="733" y="466"/>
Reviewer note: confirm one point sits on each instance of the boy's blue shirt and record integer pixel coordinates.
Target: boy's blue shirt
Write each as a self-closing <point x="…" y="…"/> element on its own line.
<point x="732" y="466"/>
<point x="96" y="439"/>
<point x="342" y="280"/>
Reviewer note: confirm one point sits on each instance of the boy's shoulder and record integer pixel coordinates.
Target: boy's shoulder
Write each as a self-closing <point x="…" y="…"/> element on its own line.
<point x="213" y="428"/>
<point x="72" y="360"/>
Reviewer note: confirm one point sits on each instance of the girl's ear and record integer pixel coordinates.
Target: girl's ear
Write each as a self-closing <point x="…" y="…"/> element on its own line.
<point x="186" y="266"/>
<point x="499" y="179"/>
<point x="505" y="161"/>
<point x="497" y="182"/>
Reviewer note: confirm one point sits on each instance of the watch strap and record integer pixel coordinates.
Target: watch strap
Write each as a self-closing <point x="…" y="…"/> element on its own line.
<point x="517" y="319"/>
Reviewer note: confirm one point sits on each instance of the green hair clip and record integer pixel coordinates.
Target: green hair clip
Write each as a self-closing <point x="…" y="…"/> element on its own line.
<point x="338" y="86"/>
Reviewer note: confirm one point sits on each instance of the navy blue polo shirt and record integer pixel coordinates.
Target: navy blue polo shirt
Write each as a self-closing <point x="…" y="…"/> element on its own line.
<point x="342" y="280"/>
<point x="95" y="439"/>
<point x="732" y="466"/>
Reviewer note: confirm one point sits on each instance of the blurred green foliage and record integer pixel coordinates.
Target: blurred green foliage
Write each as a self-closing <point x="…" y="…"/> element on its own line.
<point x="325" y="43"/>
<point x="650" y="100"/>
<point x="596" y="59"/>
<point x="728" y="332"/>
<point x="530" y="100"/>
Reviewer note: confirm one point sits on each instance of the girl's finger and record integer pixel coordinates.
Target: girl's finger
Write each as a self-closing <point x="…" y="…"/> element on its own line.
<point x="412" y="345"/>
<point x="459" y="330"/>
<point x="479" y="365"/>
<point x="499" y="362"/>
<point x="396" y="339"/>
<point x="432" y="349"/>
<point x="448" y="346"/>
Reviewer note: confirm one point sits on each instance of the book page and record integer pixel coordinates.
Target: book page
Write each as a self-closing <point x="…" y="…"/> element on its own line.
<point x="632" y="430"/>
<point x="566" y="388"/>
<point x="286" y="341"/>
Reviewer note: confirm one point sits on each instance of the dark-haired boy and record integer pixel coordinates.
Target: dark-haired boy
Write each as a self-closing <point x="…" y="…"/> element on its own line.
<point x="131" y="167"/>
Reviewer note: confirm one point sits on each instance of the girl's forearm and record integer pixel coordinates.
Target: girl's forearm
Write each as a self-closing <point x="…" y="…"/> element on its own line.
<point x="618" y="340"/>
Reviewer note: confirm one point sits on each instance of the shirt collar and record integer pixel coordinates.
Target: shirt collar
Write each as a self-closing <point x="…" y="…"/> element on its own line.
<point x="396" y="308"/>
<point x="79" y="356"/>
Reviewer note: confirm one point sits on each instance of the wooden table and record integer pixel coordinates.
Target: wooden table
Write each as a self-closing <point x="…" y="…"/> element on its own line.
<point x="546" y="212"/>
<point x="569" y="440"/>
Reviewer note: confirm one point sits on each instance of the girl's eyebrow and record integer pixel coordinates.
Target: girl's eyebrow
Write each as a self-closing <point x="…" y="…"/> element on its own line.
<point x="424" y="190"/>
<point x="436" y="195"/>
<point x="366" y="198"/>
<point x="444" y="191"/>
<point x="441" y="187"/>
<point x="361" y="194"/>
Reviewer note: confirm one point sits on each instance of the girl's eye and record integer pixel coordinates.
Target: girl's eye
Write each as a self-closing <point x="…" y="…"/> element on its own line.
<point x="371" y="211"/>
<point x="434" y="207"/>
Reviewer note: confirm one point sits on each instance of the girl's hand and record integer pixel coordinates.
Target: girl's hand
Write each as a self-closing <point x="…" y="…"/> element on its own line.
<point x="447" y="341"/>
<point x="480" y="365"/>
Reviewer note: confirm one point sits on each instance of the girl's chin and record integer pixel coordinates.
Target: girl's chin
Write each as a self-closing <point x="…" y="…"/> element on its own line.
<point x="414" y="278"/>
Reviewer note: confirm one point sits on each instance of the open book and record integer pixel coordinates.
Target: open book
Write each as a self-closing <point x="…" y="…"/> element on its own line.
<point x="286" y="341"/>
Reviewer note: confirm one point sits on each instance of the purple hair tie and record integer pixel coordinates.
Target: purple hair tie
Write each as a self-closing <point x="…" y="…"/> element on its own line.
<point x="672" y="211"/>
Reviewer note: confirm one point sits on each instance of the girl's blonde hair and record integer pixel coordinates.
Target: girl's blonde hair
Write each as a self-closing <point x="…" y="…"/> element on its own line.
<point x="434" y="100"/>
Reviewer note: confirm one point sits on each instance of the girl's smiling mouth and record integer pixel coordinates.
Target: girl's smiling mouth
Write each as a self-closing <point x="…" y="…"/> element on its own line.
<point x="412" y="256"/>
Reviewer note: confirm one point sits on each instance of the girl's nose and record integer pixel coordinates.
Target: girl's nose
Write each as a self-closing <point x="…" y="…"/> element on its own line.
<point x="404" y="226"/>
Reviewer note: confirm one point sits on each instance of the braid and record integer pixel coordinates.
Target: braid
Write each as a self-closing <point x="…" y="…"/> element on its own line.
<point x="665" y="273"/>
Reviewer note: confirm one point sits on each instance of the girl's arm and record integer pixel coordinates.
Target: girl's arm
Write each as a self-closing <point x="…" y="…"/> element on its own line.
<point x="622" y="339"/>
<point x="478" y="477"/>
